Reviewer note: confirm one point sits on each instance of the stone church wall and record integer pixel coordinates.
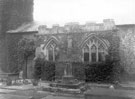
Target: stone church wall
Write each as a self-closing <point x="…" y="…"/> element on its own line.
<point x="13" y="13"/>
<point x="75" y="54"/>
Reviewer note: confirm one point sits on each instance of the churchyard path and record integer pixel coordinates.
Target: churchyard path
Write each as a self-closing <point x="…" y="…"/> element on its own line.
<point x="27" y="91"/>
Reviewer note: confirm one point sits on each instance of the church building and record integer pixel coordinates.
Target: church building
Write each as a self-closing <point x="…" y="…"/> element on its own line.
<point x="89" y="43"/>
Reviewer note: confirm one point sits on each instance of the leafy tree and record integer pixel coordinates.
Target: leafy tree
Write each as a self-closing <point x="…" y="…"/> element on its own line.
<point x="128" y="51"/>
<point x="26" y="49"/>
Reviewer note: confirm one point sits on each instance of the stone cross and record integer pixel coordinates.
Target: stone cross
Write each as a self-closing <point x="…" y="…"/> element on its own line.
<point x="68" y="69"/>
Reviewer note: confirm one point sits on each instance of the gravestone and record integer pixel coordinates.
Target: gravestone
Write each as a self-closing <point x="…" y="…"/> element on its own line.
<point x="21" y="74"/>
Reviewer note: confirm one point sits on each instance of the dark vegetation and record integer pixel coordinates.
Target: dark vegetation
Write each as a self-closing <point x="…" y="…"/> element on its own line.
<point x="106" y="72"/>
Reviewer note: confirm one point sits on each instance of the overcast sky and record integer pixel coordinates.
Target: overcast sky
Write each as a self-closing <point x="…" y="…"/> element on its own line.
<point x="63" y="11"/>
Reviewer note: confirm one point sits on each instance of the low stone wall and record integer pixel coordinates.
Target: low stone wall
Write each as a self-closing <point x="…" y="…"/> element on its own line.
<point x="104" y="93"/>
<point x="12" y="76"/>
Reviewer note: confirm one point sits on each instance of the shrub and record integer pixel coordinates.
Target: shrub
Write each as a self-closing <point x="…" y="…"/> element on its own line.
<point x="97" y="72"/>
<point x="48" y="71"/>
<point x="39" y="62"/>
<point x="44" y="70"/>
<point x="78" y="70"/>
<point x="107" y="72"/>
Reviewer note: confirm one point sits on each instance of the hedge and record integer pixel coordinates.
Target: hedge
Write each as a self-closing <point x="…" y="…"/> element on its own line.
<point x="38" y="68"/>
<point x="44" y="70"/>
<point x="98" y="72"/>
<point x="48" y="71"/>
<point x="105" y="72"/>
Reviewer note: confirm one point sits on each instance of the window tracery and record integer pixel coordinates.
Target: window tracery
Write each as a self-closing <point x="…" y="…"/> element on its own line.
<point x="52" y="50"/>
<point x="94" y="50"/>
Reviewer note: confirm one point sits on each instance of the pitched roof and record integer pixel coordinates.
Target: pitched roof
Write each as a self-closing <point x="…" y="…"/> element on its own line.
<point x="26" y="27"/>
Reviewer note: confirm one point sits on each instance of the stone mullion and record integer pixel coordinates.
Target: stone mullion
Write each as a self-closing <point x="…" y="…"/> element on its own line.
<point x="53" y="53"/>
<point x="47" y="54"/>
<point x="97" y="58"/>
<point x="89" y="52"/>
<point x="83" y="54"/>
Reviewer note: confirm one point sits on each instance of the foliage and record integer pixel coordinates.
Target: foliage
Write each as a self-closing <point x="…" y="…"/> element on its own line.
<point x="118" y="71"/>
<point x="13" y="57"/>
<point x="48" y="71"/>
<point x="128" y="51"/>
<point x="108" y="72"/>
<point x="39" y="63"/>
<point x="26" y="48"/>
<point x="44" y="70"/>
<point x="16" y="47"/>
<point x="78" y="70"/>
<point x="98" y="72"/>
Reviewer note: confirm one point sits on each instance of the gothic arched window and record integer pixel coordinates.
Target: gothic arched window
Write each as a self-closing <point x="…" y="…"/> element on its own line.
<point x="51" y="50"/>
<point x="94" y="50"/>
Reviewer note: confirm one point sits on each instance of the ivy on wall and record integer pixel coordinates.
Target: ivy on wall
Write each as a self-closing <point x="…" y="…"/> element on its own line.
<point x="19" y="50"/>
<point x="12" y="48"/>
<point x="26" y="49"/>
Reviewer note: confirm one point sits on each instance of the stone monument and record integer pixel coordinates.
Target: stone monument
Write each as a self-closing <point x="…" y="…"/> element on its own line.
<point x="68" y="83"/>
<point x="68" y="77"/>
